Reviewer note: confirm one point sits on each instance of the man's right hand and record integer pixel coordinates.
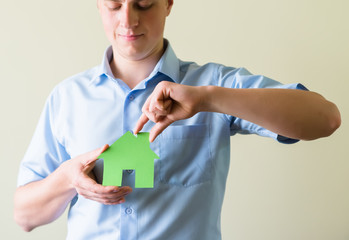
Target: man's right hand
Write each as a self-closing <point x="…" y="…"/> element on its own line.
<point x="81" y="178"/>
<point x="43" y="201"/>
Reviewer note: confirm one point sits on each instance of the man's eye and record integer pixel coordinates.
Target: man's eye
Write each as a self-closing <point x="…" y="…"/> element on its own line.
<point x="114" y="7"/>
<point x="144" y="6"/>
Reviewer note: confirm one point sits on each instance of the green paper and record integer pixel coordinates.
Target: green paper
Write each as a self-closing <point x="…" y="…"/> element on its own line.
<point x="126" y="153"/>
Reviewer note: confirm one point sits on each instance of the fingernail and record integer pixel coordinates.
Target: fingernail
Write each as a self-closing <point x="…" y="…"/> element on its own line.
<point x="126" y="192"/>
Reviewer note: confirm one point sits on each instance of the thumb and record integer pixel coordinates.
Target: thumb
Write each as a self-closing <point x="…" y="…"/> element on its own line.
<point x="91" y="157"/>
<point x="158" y="128"/>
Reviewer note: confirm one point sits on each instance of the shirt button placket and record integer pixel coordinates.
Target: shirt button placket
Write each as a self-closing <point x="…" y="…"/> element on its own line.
<point x="130" y="112"/>
<point x="128" y="211"/>
<point x="131" y="97"/>
<point x="128" y="228"/>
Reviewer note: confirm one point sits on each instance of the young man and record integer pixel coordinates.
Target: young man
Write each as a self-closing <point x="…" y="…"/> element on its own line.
<point x="195" y="108"/>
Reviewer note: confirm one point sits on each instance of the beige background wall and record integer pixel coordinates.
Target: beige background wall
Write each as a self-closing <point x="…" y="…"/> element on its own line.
<point x="274" y="192"/>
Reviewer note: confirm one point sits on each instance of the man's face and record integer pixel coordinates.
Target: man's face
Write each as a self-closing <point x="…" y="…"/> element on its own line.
<point x="135" y="27"/>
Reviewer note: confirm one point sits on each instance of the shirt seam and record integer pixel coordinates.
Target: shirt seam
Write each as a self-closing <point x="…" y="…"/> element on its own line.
<point x="225" y="116"/>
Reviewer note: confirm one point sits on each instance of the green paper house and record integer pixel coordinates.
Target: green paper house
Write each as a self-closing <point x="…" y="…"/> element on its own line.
<point x="129" y="152"/>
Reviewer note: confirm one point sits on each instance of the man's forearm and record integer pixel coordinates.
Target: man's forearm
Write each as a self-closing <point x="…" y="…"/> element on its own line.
<point x="292" y="113"/>
<point x="42" y="202"/>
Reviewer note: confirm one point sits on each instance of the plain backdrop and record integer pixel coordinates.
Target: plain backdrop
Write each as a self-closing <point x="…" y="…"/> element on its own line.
<point x="274" y="191"/>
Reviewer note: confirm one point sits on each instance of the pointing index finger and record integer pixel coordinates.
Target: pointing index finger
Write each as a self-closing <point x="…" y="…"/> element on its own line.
<point x="140" y="123"/>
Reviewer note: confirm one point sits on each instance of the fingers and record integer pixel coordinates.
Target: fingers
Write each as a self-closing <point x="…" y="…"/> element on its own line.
<point x="158" y="103"/>
<point x="111" y="198"/>
<point x="158" y="128"/>
<point x="168" y="103"/>
<point x="156" y="108"/>
<point x="155" y="115"/>
<point x="108" y="195"/>
<point x="88" y="187"/>
<point x="108" y="198"/>
<point x="140" y="123"/>
<point x="158" y="117"/>
<point x="91" y="157"/>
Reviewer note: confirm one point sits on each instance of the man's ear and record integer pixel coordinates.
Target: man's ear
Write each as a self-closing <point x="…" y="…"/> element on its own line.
<point x="169" y="6"/>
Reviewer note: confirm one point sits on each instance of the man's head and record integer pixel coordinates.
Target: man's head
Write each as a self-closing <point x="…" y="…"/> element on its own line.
<point x="135" y="27"/>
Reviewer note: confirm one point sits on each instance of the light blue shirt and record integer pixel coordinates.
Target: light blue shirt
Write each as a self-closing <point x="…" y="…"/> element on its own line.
<point x="93" y="108"/>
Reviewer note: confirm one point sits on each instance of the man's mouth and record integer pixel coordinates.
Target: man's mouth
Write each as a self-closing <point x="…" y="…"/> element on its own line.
<point x="130" y="37"/>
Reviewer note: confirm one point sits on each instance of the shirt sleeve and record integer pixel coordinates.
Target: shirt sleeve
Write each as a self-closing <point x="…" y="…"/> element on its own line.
<point x="242" y="78"/>
<point x="45" y="152"/>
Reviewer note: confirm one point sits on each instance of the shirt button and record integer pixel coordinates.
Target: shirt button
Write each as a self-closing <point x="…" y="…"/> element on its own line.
<point x="131" y="97"/>
<point x="129" y="171"/>
<point x="128" y="211"/>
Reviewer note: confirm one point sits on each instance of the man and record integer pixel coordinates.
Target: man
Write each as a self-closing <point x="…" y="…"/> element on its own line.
<point x="193" y="111"/>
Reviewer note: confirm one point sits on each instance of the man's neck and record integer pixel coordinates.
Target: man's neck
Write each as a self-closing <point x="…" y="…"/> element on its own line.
<point x="133" y="72"/>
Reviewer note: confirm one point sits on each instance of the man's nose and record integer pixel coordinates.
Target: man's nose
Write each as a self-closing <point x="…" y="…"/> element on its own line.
<point x="129" y="17"/>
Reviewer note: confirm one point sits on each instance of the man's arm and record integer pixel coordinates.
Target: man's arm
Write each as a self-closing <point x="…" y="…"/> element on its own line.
<point x="43" y="201"/>
<point x="291" y="113"/>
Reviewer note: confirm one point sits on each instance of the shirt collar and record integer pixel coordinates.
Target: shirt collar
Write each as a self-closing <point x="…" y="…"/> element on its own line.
<point x="167" y="65"/>
<point x="104" y="68"/>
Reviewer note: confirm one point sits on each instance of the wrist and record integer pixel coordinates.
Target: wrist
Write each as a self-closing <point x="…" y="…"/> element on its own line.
<point x="67" y="175"/>
<point x="207" y="98"/>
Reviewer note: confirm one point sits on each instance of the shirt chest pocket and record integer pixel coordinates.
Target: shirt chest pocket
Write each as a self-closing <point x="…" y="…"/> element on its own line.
<point x="185" y="156"/>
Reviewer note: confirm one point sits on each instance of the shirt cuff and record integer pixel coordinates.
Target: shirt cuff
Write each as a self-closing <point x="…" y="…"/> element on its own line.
<point x="286" y="140"/>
